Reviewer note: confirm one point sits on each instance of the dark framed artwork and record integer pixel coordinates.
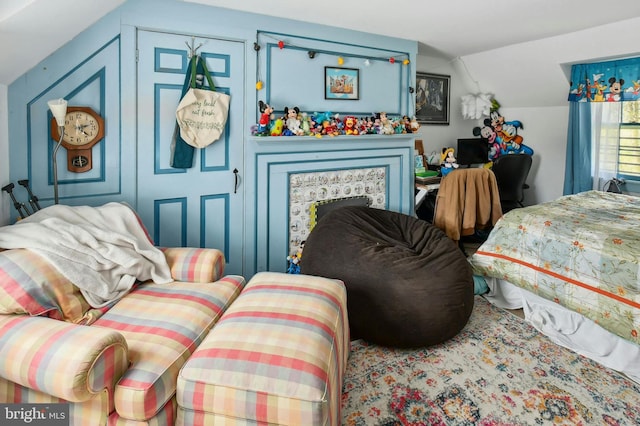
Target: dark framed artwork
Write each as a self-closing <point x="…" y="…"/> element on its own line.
<point x="341" y="83"/>
<point x="432" y="98"/>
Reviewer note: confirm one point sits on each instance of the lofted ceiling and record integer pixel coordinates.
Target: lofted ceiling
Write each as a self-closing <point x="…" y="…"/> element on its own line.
<point x="30" y="30"/>
<point x="450" y="28"/>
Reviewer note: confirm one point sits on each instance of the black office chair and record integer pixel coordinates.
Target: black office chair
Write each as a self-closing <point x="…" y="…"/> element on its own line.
<point x="511" y="172"/>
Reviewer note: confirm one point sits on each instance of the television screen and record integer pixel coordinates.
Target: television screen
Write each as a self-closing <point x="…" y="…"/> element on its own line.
<point x="472" y="151"/>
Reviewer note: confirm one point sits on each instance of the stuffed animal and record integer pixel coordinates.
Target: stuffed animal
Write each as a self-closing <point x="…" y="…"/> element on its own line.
<point x="277" y="127"/>
<point x="323" y="116"/>
<point x="350" y="125"/>
<point x="265" y="118"/>
<point x="329" y="128"/>
<point x="415" y="126"/>
<point x="294" y="260"/>
<point x="292" y="122"/>
<point x="386" y="126"/>
<point x="305" y="124"/>
<point x="448" y="161"/>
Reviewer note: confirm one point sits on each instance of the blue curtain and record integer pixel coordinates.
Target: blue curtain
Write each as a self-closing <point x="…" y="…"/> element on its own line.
<point x="611" y="81"/>
<point x="577" y="170"/>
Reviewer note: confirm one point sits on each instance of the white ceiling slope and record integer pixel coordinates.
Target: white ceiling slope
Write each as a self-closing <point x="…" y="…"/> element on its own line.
<point x="30" y="30"/>
<point x="449" y="28"/>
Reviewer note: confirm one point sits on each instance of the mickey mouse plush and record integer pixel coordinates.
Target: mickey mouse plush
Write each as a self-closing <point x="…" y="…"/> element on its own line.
<point x="265" y="118"/>
<point x="292" y="122"/>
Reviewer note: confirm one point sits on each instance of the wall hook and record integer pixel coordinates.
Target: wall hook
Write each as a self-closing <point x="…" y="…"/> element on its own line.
<point x="193" y="49"/>
<point x="311" y="54"/>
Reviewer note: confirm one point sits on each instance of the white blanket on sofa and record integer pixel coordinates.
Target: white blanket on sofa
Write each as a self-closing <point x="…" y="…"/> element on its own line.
<point x="102" y="250"/>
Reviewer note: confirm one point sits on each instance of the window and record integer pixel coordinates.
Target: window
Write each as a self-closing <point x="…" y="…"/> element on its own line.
<point x="603" y="141"/>
<point x="629" y="149"/>
<point x="619" y="139"/>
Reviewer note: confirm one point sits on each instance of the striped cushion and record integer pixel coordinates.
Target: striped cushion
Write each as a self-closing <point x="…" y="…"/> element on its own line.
<point x="162" y="325"/>
<point x="64" y="360"/>
<point x="277" y="356"/>
<point x="165" y="417"/>
<point x="195" y="265"/>
<point x="29" y="284"/>
<point x="91" y="412"/>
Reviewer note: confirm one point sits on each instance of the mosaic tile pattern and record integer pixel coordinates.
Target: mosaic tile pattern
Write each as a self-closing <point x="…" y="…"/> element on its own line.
<point x="308" y="188"/>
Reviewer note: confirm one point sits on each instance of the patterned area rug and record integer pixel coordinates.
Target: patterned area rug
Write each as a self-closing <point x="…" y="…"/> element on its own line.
<point x="498" y="371"/>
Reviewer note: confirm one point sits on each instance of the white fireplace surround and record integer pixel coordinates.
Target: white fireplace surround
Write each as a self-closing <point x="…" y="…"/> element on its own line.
<point x="291" y="173"/>
<point x="307" y="188"/>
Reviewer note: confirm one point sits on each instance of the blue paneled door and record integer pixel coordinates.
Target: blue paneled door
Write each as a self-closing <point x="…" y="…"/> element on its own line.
<point x="199" y="206"/>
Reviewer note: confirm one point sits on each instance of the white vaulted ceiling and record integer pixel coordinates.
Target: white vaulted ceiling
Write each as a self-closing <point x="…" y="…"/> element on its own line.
<point x="30" y="30"/>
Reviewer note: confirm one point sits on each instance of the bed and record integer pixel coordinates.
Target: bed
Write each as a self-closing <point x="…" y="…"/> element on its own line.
<point x="572" y="265"/>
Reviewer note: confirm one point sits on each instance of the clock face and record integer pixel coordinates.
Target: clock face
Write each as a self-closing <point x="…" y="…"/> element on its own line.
<point x="83" y="128"/>
<point x="80" y="128"/>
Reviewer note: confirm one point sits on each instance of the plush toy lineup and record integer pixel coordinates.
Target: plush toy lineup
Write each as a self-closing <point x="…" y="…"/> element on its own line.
<point x="297" y="123"/>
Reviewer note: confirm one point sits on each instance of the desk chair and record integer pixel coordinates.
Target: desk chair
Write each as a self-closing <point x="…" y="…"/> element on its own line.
<point x="511" y="171"/>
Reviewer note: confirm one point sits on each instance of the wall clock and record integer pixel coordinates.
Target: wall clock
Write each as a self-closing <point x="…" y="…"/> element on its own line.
<point x="83" y="128"/>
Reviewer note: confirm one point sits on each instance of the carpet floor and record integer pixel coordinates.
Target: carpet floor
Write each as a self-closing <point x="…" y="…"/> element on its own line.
<point x="497" y="371"/>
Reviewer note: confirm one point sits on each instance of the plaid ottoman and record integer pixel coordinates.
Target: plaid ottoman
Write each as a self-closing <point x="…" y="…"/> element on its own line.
<point x="277" y="356"/>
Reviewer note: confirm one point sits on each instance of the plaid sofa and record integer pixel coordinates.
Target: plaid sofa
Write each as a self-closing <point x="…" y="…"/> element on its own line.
<point x="116" y="365"/>
<point x="277" y="356"/>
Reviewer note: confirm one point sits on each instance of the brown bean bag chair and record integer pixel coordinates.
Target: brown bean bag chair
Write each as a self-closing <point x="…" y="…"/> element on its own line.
<point x="408" y="284"/>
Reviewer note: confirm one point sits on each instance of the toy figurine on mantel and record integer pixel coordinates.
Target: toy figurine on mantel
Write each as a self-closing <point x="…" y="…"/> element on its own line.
<point x="294" y="260"/>
<point x="266" y="115"/>
<point x="293" y="122"/>
<point x="319" y="124"/>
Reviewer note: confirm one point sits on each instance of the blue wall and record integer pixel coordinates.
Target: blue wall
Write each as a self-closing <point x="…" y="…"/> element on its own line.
<point x="99" y="69"/>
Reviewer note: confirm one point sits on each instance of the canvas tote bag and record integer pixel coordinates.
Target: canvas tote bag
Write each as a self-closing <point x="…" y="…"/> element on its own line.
<point x="202" y="112"/>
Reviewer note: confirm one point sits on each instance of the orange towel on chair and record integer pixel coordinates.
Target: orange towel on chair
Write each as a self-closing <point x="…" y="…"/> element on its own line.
<point x="467" y="199"/>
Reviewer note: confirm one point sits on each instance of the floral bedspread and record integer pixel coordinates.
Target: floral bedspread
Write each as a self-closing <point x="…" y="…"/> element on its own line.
<point x="580" y="251"/>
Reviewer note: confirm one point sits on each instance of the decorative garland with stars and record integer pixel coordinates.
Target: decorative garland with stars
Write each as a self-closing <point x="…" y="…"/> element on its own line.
<point x="312" y="54"/>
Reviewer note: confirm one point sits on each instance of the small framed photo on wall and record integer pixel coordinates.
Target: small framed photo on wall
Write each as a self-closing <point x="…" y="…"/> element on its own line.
<point x="341" y="83"/>
<point x="432" y="98"/>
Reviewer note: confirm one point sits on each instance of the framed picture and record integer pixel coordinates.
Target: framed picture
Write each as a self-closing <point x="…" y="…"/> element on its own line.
<point x="341" y="83"/>
<point x="432" y="98"/>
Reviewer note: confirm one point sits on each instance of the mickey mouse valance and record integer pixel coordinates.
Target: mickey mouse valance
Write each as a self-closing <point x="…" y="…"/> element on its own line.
<point x="611" y="81"/>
